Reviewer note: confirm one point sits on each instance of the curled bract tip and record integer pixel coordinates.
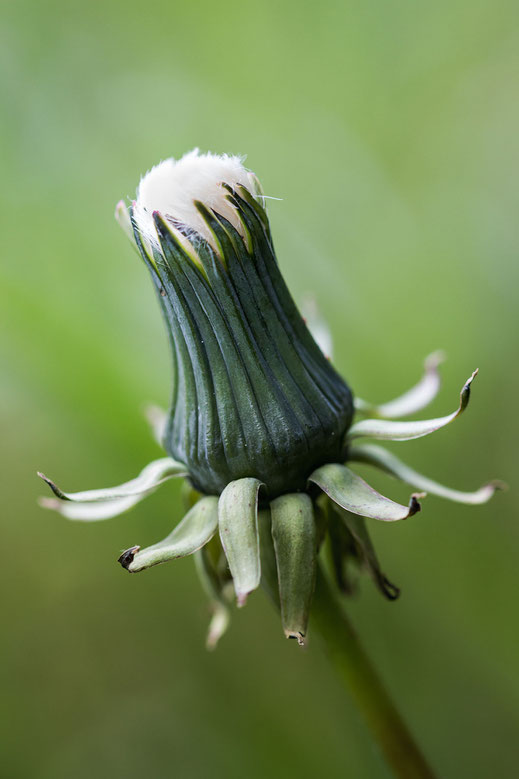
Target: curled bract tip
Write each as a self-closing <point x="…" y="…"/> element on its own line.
<point x="433" y="360"/>
<point x="299" y="637"/>
<point x="191" y="534"/>
<point x="465" y="392"/>
<point x="92" y="505"/>
<point x="390" y="430"/>
<point x="414" y="503"/>
<point x="54" y="487"/>
<point x="126" y="559"/>
<point x="390" y="590"/>
<point x="353" y="494"/>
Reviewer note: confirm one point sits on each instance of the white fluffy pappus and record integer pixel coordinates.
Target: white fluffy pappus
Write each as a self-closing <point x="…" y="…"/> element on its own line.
<point x="172" y="186"/>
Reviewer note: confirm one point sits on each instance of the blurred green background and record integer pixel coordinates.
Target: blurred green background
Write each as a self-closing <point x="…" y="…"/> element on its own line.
<point x="391" y="131"/>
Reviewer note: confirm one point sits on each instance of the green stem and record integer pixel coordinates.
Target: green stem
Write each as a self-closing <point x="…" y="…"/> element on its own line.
<point x="357" y="671"/>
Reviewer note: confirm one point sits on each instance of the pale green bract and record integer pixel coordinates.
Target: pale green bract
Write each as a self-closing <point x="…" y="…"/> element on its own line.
<point x="191" y="534"/>
<point x="238" y="526"/>
<point x="295" y="545"/>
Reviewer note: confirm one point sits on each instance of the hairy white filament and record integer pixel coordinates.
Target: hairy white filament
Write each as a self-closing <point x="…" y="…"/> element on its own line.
<point x="172" y="186"/>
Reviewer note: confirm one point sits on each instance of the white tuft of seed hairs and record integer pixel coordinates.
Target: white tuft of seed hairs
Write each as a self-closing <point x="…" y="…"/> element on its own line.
<point x="172" y="186"/>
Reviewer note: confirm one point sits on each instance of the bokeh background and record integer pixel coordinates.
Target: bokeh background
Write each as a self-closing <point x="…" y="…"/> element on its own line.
<point x="391" y="132"/>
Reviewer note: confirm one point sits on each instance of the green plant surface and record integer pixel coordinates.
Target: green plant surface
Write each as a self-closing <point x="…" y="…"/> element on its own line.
<point x="390" y="131"/>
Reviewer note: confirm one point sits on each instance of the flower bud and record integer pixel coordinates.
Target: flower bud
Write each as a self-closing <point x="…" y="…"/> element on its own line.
<point x="260" y="422"/>
<point x="253" y="394"/>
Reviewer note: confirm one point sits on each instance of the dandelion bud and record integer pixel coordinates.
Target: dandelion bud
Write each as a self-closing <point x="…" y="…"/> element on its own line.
<point x="260" y="423"/>
<point x="253" y="394"/>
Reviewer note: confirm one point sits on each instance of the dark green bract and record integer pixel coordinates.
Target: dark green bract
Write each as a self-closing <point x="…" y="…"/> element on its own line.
<point x="253" y="394"/>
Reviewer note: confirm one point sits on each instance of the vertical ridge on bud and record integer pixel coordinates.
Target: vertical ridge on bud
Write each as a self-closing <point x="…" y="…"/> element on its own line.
<point x="319" y="368"/>
<point x="254" y="395"/>
<point x="272" y="339"/>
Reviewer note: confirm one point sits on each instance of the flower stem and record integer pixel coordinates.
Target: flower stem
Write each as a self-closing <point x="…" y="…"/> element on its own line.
<point x="343" y="647"/>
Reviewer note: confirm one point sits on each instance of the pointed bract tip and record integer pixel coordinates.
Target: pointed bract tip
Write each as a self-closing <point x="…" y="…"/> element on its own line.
<point x="49" y="503"/>
<point x="126" y="559"/>
<point x="230" y="189"/>
<point x="211" y="642"/>
<point x="469" y="381"/>
<point x="297" y="636"/>
<point x="387" y="588"/>
<point x="200" y="206"/>
<point x="213" y="638"/>
<point x="414" y="504"/>
<point x="465" y="392"/>
<point x="241" y="599"/>
<point x="390" y="590"/>
<point x="123" y="218"/>
<point x="55" y="489"/>
<point x="433" y="360"/>
<point x="498" y="485"/>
